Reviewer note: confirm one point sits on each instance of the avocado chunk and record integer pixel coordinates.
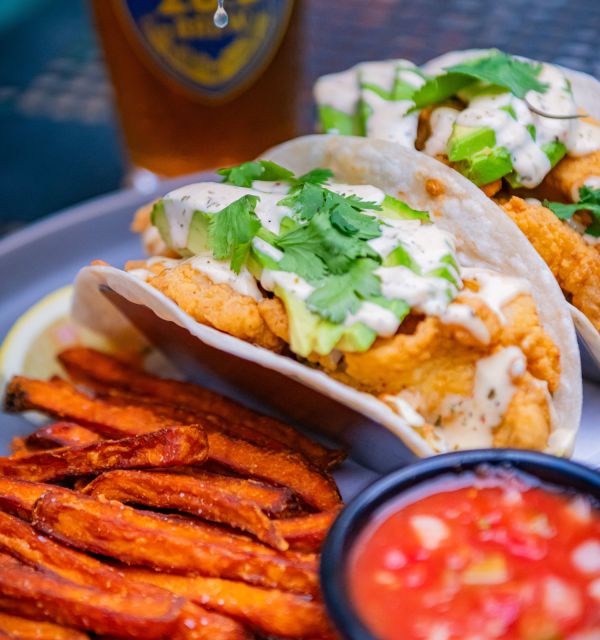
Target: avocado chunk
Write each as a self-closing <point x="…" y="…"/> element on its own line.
<point x="398" y="210"/>
<point x="159" y="219"/>
<point x="302" y="322"/>
<point x="555" y="151"/>
<point x="197" y="241"/>
<point x="356" y="338"/>
<point x="465" y="142"/>
<point x="400" y="257"/>
<point x="336" y="121"/>
<point x="486" y="166"/>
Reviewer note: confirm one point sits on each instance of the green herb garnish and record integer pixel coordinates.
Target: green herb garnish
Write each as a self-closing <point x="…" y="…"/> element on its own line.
<point x="244" y="174"/>
<point x="230" y="231"/>
<point x="496" y="68"/>
<point x="589" y="200"/>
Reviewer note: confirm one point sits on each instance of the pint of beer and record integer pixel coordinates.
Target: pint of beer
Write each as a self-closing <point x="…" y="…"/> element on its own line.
<point x="191" y="95"/>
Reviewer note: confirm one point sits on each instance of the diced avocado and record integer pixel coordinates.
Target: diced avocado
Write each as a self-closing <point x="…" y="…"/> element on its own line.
<point x="443" y="272"/>
<point x="465" y="142"/>
<point x="335" y="121"/>
<point x="327" y="336"/>
<point x="197" y="241"/>
<point x="399" y="308"/>
<point x="398" y="210"/>
<point x="303" y="323"/>
<point x="555" y="151"/>
<point x="356" y="338"/>
<point x="158" y="217"/>
<point x="400" y="257"/>
<point x="486" y="166"/>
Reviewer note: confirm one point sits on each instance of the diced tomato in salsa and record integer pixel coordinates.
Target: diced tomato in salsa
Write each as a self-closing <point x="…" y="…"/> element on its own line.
<point x="478" y="556"/>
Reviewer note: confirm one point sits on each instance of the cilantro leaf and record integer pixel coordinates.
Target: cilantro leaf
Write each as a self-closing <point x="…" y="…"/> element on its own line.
<point x="439" y="88"/>
<point x="345" y="214"/>
<point x="589" y="200"/>
<point x="305" y="201"/>
<point x="496" y="68"/>
<point x="342" y="294"/>
<point x="336" y="250"/>
<point x="316" y="176"/>
<point x="231" y="230"/>
<point x="244" y="174"/>
<point x="499" y="68"/>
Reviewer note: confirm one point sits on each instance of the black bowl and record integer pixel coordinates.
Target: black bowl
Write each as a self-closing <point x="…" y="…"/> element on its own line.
<point x="549" y="469"/>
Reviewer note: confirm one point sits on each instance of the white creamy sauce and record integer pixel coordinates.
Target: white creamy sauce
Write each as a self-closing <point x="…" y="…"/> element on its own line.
<point x="213" y="197"/>
<point x="462" y="315"/>
<point x="383" y="321"/>
<point x="495" y="289"/>
<point x="268" y="249"/>
<point x="469" y="421"/>
<point x="584" y="140"/>
<point x="289" y="281"/>
<point x="404" y="410"/>
<point x="442" y="121"/>
<point x="388" y="119"/>
<point x="219" y="272"/>
<point x="270" y="186"/>
<point x="338" y="90"/>
<point x="362" y="191"/>
<point x="428" y="295"/>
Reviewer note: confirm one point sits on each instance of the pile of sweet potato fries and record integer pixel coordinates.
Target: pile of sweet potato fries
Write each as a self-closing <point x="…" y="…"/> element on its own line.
<point x="155" y="508"/>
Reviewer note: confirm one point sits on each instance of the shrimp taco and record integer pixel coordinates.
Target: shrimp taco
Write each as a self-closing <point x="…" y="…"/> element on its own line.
<point x="330" y="260"/>
<point x="527" y="133"/>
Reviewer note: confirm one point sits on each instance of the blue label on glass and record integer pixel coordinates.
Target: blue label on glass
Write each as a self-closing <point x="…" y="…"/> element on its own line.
<point x="215" y="63"/>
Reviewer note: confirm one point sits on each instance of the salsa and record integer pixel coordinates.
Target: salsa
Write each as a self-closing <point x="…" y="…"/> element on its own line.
<point x="492" y="554"/>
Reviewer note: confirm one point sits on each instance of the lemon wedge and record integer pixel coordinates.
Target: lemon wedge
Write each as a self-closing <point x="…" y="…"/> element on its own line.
<point x="42" y="332"/>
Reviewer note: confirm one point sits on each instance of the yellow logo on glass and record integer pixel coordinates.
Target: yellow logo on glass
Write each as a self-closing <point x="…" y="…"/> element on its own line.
<point x="216" y="63"/>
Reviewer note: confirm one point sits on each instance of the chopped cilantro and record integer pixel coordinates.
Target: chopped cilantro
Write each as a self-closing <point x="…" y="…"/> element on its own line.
<point x="342" y="294"/>
<point x="244" y="174"/>
<point x="320" y="239"/>
<point x="230" y="231"/>
<point x="589" y="200"/>
<point x="496" y="68"/>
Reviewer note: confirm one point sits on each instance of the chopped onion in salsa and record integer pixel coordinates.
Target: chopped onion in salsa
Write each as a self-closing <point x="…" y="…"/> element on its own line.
<point x="492" y="554"/>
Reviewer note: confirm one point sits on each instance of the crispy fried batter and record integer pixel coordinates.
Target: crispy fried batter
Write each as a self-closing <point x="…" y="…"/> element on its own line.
<point x="574" y="263"/>
<point x="217" y="305"/>
<point x="564" y="181"/>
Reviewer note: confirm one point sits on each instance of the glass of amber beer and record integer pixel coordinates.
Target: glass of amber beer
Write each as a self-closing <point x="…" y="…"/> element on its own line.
<point x="190" y="95"/>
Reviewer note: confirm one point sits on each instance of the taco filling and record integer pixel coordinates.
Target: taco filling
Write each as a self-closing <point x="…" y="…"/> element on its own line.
<point x="511" y="126"/>
<point x="351" y="280"/>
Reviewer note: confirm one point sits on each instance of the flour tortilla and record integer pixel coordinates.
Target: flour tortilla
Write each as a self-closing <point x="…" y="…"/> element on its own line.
<point x="490" y="239"/>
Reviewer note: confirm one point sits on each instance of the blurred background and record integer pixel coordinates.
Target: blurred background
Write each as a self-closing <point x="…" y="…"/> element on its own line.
<point x="61" y="141"/>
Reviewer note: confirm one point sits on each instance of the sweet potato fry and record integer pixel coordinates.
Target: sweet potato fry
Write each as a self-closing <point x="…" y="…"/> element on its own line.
<point x="196" y="623"/>
<point x="291" y="470"/>
<point x="20" y="542"/>
<point x="306" y="532"/>
<point x="22" y="629"/>
<point x="61" y="434"/>
<point x="270" y="499"/>
<point x="137" y="537"/>
<point x="165" y="448"/>
<point x="95" y="367"/>
<point x="268" y="611"/>
<point x="64" y="602"/>
<point x="190" y="495"/>
<point x="19" y="496"/>
<point x="62" y="400"/>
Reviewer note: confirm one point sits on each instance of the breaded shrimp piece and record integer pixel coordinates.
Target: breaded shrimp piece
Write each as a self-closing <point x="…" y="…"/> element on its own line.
<point x="563" y="182"/>
<point x="217" y="305"/>
<point x="526" y="423"/>
<point x="574" y="263"/>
